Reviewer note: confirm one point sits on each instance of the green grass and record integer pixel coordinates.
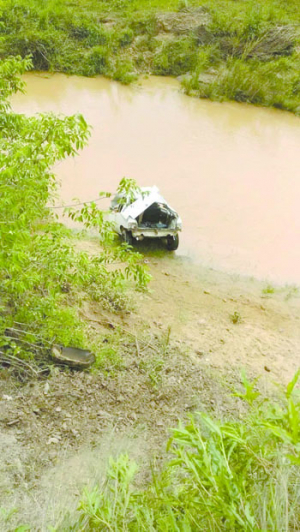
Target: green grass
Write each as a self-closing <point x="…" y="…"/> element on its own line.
<point x="235" y="475"/>
<point x="269" y="289"/>
<point x="240" y="50"/>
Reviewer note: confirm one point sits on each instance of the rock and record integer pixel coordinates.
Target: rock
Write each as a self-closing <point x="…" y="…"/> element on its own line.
<point x="52" y="440"/>
<point x="7" y="397"/>
<point x="120" y="398"/>
<point x="46" y="388"/>
<point x="184" y="22"/>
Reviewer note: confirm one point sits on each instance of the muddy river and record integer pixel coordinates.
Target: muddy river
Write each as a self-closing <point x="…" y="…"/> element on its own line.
<point x="232" y="171"/>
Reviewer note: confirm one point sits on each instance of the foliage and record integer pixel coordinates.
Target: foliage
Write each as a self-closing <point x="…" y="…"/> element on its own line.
<point x="235" y="317"/>
<point x="269" y="289"/>
<point x="42" y="274"/>
<point x="237" y="475"/>
<point x="175" y="57"/>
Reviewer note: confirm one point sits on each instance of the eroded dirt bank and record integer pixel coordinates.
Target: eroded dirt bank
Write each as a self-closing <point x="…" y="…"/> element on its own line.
<point x="179" y="351"/>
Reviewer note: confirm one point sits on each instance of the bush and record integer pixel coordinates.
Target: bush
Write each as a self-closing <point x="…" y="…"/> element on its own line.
<point x="125" y="37"/>
<point x="124" y="71"/>
<point x="175" y="57"/>
<point x="88" y="32"/>
<point x="41" y="46"/>
<point x="96" y="61"/>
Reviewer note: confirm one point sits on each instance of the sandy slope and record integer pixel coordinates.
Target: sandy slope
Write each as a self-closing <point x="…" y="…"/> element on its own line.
<point x="183" y="354"/>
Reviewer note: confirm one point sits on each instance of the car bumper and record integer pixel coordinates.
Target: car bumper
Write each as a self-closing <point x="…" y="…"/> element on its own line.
<point x="139" y="234"/>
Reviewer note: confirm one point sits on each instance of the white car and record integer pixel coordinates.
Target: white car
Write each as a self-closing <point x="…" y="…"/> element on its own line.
<point x="146" y="214"/>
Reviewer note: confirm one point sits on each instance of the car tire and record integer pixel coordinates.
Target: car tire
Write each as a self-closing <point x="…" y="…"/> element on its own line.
<point x="172" y="242"/>
<point x="127" y="237"/>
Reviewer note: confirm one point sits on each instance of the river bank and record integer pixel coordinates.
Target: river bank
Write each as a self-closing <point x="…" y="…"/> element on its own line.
<point x="180" y="349"/>
<point x="238" y="51"/>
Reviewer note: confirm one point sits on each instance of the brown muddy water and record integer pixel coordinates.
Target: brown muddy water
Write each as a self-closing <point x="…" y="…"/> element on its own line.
<point x="232" y="171"/>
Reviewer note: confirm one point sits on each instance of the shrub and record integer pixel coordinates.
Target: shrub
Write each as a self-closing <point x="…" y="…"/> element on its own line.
<point x="125" y="37"/>
<point x="40" y="45"/>
<point x="124" y="71"/>
<point x="96" y="61"/>
<point x="175" y="57"/>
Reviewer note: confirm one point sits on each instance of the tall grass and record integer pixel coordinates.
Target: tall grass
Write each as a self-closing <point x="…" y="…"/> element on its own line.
<point x="236" y="475"/>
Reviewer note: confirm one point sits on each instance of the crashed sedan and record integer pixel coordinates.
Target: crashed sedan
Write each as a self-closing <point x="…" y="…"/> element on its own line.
<point x="146" y="214"/>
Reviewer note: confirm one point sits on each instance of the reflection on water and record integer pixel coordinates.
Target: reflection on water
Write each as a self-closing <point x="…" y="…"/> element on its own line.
<point x="232" y="171"/>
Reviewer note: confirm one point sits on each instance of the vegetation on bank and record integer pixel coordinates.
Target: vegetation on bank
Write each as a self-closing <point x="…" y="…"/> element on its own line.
<point x="231" y="475"/>
<point x="239" y="50"/>
<point x="43" y="277"/>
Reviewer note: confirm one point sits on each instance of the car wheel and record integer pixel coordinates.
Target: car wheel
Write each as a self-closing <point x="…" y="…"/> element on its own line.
<point x="127" y="237"/>
<point x="172" y="242"/>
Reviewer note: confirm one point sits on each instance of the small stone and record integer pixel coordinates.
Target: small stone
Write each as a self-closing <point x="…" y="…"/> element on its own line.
<point x="52" y="440"/>
<point x="7" y="398"/>
<point x="46" y="388"/>
<point x="120" y="398"/>
<point x="102" y="413"/>
<point x="58" y="409"/>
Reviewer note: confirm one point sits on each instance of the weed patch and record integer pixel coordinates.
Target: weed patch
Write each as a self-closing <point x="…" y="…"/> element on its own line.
<point x="240" y="475"/>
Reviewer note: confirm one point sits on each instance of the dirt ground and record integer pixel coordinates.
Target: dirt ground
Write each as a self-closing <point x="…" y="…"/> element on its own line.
<point x="188" y="339"/>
